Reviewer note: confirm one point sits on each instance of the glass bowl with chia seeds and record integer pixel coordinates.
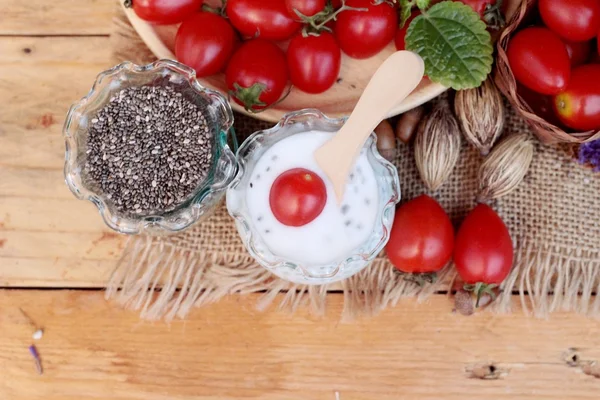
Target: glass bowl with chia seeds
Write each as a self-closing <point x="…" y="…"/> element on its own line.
<point x="336" y="241"/>
<point x="150" y="147"/>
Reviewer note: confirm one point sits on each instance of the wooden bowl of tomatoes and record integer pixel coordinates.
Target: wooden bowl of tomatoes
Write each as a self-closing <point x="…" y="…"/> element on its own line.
<point x="549" y="68"/>
<point x="307" y="72"/>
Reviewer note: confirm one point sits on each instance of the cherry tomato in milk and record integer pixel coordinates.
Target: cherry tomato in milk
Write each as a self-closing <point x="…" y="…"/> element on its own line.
<point x="205" y="42"/>
<point x="297" y="197"/>
<point x="422" y="237"/>
<point x="539" y="60"/>
<point x="362" y="34"/>
<point x="314" y="62"/>
<point x="576" y="20"/>
<point x="578" y="106"/>
<point x="307" y="8"/>
<point x="257" y="74"/>
<point x="165" y="12"/>
<point x="268" y="19"/>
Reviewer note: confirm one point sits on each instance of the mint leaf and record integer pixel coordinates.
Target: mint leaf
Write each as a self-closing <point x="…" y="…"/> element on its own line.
<point x="454" y="43"/>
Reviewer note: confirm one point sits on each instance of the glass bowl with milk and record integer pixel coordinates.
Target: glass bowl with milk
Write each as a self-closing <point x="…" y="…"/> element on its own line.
<point x="345" y="236"/>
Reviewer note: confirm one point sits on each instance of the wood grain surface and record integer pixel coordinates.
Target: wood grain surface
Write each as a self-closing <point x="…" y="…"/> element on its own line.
<point x="229" y="351"/>
<point x="50" y="53"/>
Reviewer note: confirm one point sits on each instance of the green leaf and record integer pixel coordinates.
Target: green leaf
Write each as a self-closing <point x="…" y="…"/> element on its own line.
<point x="454" y="43"/>
<point x="422" y="4"/>
<point x="405" y="11"/>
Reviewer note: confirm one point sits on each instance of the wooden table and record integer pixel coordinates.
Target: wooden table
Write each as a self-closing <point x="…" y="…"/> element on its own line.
<point x="55" y="255"/>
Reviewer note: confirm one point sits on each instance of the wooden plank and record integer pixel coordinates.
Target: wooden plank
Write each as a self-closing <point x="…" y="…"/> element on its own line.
<point x="37" y="89"/>
<point x="49" y="245"/>
<point x="47" y="237"/>
<point x="57" y="17"/>
<point x="228" y="351"/>
<point x="59" y="272"/>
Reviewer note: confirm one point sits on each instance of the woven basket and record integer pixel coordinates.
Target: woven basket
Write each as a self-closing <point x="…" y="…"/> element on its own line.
<point x="505" y="80"/>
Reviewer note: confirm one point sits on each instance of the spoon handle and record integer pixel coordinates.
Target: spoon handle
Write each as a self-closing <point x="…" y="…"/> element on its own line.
<point x="393" y="81"/>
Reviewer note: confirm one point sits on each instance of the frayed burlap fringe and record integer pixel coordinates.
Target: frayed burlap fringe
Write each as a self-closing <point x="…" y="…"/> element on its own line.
<point x="161" y="281"/>
<point x="553" y="217"/>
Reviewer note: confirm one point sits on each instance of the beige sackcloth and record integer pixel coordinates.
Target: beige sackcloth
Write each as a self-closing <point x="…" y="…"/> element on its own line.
<point x="553" y="218"/>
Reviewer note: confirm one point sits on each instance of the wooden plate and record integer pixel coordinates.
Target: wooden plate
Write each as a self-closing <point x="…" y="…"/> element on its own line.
<point x="335" y="102"/>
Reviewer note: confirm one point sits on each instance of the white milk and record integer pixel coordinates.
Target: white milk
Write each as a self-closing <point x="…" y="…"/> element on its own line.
<point x="339" y="230"/>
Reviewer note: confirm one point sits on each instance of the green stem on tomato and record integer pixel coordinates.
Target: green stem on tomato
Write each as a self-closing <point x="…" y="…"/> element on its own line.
<point x="317" y="22"/>
<point x="481" y="288"/>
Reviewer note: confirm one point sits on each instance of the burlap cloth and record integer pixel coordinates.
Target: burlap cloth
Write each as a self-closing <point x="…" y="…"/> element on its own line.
<point x="553" y="217"/>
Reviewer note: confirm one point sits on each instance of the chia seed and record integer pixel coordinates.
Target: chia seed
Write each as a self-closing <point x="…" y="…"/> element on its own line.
<point x="140" y="153"/>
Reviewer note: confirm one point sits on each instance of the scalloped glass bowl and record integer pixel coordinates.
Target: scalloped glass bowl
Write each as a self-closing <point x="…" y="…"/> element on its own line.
<point x="248" y="155"/>
<point x="218" y="114"/>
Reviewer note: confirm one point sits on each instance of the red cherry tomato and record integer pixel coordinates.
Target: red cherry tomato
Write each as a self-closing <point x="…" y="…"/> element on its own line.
<point x="314" y="62"/>
<point x="422" y="237"/>
<point x="576" y="20"/>
<point x="483" y="250"/>
<point x="539" y="60"/>
<point x="297" y="197"/>
<point x="267" y="19"/>
<point x="305" y="7"/>
<point x="165" y="12"/>
<point x="579" y="52"/>
<point x="578" y="107"/>
<point x="257" y="74"/>
<point x="401" y="32"/>
<point x="205" y="42"/>
<point x="362" y="34"/>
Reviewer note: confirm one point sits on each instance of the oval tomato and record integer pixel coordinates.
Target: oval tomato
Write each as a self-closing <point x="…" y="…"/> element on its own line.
<point x="362" y="34"/>
<point x="307" y="8"/>
<point x="578" y="107"/>
<point x="483" y="252"/>
<point x="297" y="197"/>
<point x="579" y="52"/>
<point x="314" y="62"/>
<point x="205" y="42"/>
<point x="257" y="74"/>
<point x="539" y="60"/>
<point x="576" y="20"/>
<point x="165" y="12"/>
<point x="401" y="32"/>
<point x="422" y="237"/>
<point x="267" y="19"/>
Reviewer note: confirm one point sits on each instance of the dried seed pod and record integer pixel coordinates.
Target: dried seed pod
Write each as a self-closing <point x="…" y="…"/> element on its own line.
<point x="386" y="141"/>
<point x="505" y="167"/>
<point x="481" y="115"/>
<point x="437" y="146"/>
<point x="408" y="123"/>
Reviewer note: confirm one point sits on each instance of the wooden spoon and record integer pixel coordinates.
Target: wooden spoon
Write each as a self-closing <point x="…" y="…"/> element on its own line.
<point x="393" y="81"/>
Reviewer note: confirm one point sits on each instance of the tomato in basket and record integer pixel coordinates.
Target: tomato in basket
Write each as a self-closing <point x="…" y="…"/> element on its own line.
<point x="539" y="60"/>
<point x="575" y="20"/>
<point x="578" y="106"/>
